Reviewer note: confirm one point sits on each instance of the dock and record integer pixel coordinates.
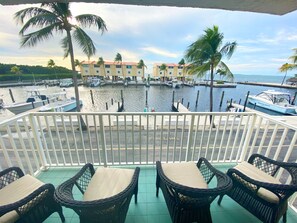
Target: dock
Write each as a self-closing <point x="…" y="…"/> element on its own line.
<point x="179" y="107"/>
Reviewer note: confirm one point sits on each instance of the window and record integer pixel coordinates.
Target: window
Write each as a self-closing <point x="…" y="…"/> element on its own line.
<point x="107" y="71"/>
<point x="97" y="71"/>
<point x="180" y="67"/>
<point x="107" y="66"/>
<point x="86" y="71"/>
<point x="129" y="72"/>
<point x="138" y="72"/>
<point x="170" y="73"/>
<point x="129" y="67"/>
<point x="179" y="73"/>
<point x="161" y="72"/>
<point x="96" y="65"/>
<point x="119" y="72"/>
<point x="85" y="65"/>
<point x="118" y="66"/>
<point x="170" y="67"/>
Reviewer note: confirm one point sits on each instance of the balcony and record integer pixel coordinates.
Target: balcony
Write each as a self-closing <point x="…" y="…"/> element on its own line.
<point x="53" y="146"/>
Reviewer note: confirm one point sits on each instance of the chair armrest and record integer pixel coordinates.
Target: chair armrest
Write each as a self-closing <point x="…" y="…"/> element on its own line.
<point x="282" y="191"/>
<point x="224" y="183"/>
<point x="271" y="167"/>
<point x="25" y="204"/>
<point x="9" y="175"/>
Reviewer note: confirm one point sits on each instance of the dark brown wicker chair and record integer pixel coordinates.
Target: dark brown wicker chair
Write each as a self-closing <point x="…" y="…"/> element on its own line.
<point x="110" y="209"/>
<point x="33" y="204"/>
<point x="265" y="200"/>
<point x="189" y="204"/>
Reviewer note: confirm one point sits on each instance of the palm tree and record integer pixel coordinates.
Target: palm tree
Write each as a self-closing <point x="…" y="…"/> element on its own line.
<point x="51" y="64"/>
<point x="206" y="55"/>
<point x="119" y="60"/>
<point x="56" y="17"/>
<point x="16" y="70"/>
<point x="285" y="68"/>
<point x="163" y="68"/>
<point x="101" y="63"/>
<point x="141" y="65"/>
<point x="182" y="64"/>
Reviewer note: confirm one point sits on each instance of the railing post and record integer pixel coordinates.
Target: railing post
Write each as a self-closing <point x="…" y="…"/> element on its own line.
<point x="190" y="139"/>
<point x="103" y="140"/>
<point x="248" y="138"/>
<point x="38" y="142"/>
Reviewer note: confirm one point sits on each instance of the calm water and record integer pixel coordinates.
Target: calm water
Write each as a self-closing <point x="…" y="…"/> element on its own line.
<point x="158" y="97"/>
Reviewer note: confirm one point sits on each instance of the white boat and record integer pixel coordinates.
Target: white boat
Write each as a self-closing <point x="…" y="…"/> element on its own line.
<point x="67" y="82"/>
<point x="176" y="84"/>
<point x="63" y="104"/>
<point x="168" y="83"/>
<point x="275" y="101"/>
<point x="34" y="100"/>
<point x="94" y="82"/>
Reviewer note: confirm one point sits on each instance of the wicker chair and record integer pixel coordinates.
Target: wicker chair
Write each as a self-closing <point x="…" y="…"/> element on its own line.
<point x="23" y="198"/>
<point x="187" y="191"/>
<point x="257" y="190"/>
<point x="107" y="193"/>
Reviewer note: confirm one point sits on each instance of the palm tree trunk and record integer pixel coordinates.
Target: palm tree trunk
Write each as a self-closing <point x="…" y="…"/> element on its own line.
<point x="284" y="78"/>
<point x="73" y="70"/>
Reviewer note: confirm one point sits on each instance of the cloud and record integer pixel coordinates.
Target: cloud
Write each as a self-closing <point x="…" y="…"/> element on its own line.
<point x="250" y="49"/>
<point x="161" y="52"/>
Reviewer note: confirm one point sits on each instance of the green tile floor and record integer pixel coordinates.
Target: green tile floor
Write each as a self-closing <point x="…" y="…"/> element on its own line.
<point x="151" y="209"/>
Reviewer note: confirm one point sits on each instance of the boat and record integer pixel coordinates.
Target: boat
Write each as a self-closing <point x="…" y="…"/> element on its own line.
<point x="35" y="99"/>
<point x="67" y="82"/>
<point x="176" y="83"/>
<point x="274" y="100"/>
<point x="63" y="104"/>
<point x="93" y="82"/>
<point x="168" y="83"/>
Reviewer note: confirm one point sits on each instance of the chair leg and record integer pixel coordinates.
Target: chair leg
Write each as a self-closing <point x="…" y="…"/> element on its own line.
<point x="157" y="185"/>
<point x="220" y="199"/>
<point x="136" y="193"/>
<point x="60" y="212"/>
<point x="285" y="217"/>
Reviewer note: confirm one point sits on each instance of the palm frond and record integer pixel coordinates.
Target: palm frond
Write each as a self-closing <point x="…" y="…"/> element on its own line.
<point x="89" y="20"/>
<point x="84" y="42"/>
<point x="33" y="38"/>
<point x="21" y="15"/>
<point x="229" y="75"/>
<point x="199" y="69"/>
<point x="60" y="9"/>
<point x="65" y="46"/>
<point x="40" y="21"/>
<point x="228" y="49"/>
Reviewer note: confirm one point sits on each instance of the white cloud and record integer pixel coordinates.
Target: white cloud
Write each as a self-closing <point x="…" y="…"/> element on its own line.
<point x="250" y="49"/>
<point x="161" y="52"/>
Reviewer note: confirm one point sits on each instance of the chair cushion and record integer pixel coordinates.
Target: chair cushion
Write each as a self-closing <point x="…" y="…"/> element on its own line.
<point x="259" y="175"/>
<point x="107" y="182"/>
<point x="186" y="174"/>
<point x="16" y="191"/>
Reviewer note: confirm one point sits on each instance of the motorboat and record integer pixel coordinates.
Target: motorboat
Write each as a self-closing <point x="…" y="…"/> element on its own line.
<point x="168" y="83"/>
<point x="63" y="104"/>
<point x="94" y="82"/>
<point x="176" y="84"/>
<point x="274" y="100"/>
<point x="67" y="82"/>
<point x="35" y="99"/>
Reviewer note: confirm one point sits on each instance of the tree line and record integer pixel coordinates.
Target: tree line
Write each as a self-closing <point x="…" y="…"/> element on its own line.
<point x="14" y="72"/>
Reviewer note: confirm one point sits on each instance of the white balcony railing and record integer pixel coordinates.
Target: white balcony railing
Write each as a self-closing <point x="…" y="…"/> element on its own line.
<point x="37" y="141"/>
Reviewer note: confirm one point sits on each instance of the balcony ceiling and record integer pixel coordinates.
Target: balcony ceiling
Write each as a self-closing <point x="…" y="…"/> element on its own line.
<point x="277" y="7"/>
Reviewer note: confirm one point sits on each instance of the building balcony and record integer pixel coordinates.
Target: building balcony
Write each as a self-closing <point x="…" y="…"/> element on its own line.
<point x="54" y="146"/>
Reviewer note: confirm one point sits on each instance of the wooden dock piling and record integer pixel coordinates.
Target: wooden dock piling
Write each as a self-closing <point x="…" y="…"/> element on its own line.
<point x="197" y="98"/>
<point x="246" y="100"/>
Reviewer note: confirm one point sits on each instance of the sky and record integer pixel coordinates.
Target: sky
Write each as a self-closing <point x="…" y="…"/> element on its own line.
<point x="162" y="35"/>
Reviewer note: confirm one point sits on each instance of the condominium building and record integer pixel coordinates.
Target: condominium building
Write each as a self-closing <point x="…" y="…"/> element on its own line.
<point x="172" y="71"/>
<point x="112" y="70"/>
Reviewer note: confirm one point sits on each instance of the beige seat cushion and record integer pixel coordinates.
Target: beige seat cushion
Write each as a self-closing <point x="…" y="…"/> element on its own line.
<point x="108" y="182"/>
<point x="186" y="174"/>
<point x="16" y="191"/>
<point x="259" y="175"/>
